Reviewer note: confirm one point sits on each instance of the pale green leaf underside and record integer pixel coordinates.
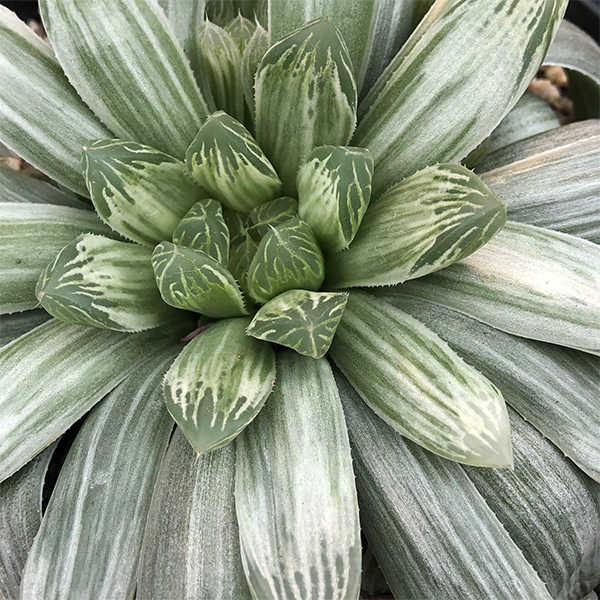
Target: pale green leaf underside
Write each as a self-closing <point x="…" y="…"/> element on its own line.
<point x="294" y="494"/>
<point x="18" y="324"/>
<point x="219" y="383"/>
<point x="415" y="382"/>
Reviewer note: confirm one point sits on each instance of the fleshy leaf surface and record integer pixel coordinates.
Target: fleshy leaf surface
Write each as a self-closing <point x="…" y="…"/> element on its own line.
<point x="271" y="214"/>
<point x="241" y="30"/>
<point x="18" y="324"/>
<point x="254" y="51"/>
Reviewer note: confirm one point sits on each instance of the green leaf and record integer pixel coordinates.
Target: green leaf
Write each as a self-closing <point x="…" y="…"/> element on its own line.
<point x="372" y="582"/>
<point x="219" y="383"/>
<point x="191" y="280"/>
<point x="241" y="30"/>
<point x="31" y="235"/>
<point x="124" y="60"/>
<point x="41" y="116"/>
<point x="415" y="382"/>
<point x="97" y="512"/>
<point x="436" y="101"/>
<point x="334" y="191"/>
<point x="287" y="258"/>
<point x="100" y="282"/>
<point x="191" y="545"/>
<point x="140" y="192"/>
<point x="301" y="320"/>
<point x="430" y="220"/>
<point x="551" y="180"/>
<point x="528" y="281"/>
<point x="254" y="51"/>
<point x="222" y="12"/>
<point x="18" y="324"/>
<point x="240" y="259"/>
<point x="227" y="162"/>
<point x="54" y="374"/>
<point x="271" y="214"/>
<point x="305" y="97"/>
<point x="294" y="491"/>
<point x="433" y="534"/>
<point x="203" y="228"/>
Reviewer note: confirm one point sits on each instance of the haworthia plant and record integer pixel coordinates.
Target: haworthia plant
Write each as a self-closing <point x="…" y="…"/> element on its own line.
<point x="241" y="30"/>
<point x="271" y="214"/>
<point x="255" y="49"/>
<point x="18" y="324"/>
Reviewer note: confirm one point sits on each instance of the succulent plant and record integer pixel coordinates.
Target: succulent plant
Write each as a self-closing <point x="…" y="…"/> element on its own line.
<point x="293" y="261"/>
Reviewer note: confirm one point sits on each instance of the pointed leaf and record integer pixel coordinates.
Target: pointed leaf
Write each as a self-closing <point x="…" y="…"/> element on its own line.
<point x="255" y="49"/>
<point x="434" y="102"/>
<point x="334" y="191"/>
<point x="241" y="30"/>
<point x="418" y="385"/>
<point x="305" y="97"/>
<point x="124" y="61"/>
<point x="301" y="320"/>
<point x="100" y="282"/>
<point x="430" y="220"/>
<point x="191" y="280"/>
<point x="18" y="324"/>
<point x="224" y="11"/>
<point x="271" y="214"/>
<point x="294" y="491"/>
<point x="140" y="192"/>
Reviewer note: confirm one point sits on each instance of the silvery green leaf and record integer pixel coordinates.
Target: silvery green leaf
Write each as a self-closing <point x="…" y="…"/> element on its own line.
<point x="228" y="163"/>
<point x="53" y="375"/>
<point x="436" y="101"/>
<point x="433" y="534"/>
<point x="305" y="97"/>
<point x="301" y="320"/>
<point x="334" y="191"/>
<point x="203" y="228"/>
<point x="219" y="383"/>
<point x="287" y="258"/>
<point x="415" y="382"/>
<point x="430" y="220"/>
<point x="255" y="49"/>
<point x="99" y="282"/>
<point x="528" y="281"/>
<point x="140" y="192"/>
<point x="192" y="280"/>
<point x="529" y="116"/>
<point x="271" y="214"/>
<point x="241" y="30"/>
<point x="551" y="180"/>
<point x="240" y="259"/>
<point x="294" y="491"/>
<point x="124" y="60"/>
<point x="41" y="116"/>
<point x="31" y="235"/>
<point x="18" y="324"/>
<point x="97" y="512"/>
<point x="191" y="545"/>
<point x="6" y="152"/>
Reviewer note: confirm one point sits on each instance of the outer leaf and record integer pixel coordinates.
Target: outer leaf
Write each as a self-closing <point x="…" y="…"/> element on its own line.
<point x="103" y="283"/>
<point x="305" y="97"/>
<point x="436" y="101"/>
<point x="418" y="385"/>
<point x="18" y="324"/>
<point x="528" y="281"/>
<point x="255" y="49"/>
<point x="192" y="280"/>
<point x="191" y="543"/>
<point x="41" y="116"/>
<point x="430" y="220"/>
<point x="551" y="180"/>
<point x="140" y="192"/>
<point x="98" y="509"/>
<point x="53" y="375"/>
<point x="31" y="235"/>
<point x="431" y="531"/>
<point x="271" y="214"/>
<point x="124" y="61"/>
<point x="219" y="383"/>
<point x="301" y="320"/>
<point x="294" y="491"/>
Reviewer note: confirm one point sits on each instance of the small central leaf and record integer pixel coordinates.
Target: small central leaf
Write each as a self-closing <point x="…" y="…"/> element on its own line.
<point x="270" y="214"/>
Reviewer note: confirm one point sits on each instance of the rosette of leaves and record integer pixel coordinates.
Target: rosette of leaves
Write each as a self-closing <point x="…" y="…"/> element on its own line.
<point x="331" y="307"/>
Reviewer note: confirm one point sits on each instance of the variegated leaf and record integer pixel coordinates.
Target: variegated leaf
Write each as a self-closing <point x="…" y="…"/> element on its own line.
<point x="287" y="258"/>
<point x="124" y="60"/>
<point x="203" y="228"/>
<point x="192" y="280"/>
<point x="430" y="220"/>
<point x="30" y="236"/>
<point x="227" y="162"/>
<point x="99" y="282"/>
<point x="241" y="30"/>
<point x="240" y="259"/>
<point x="254" y="51"/>
<point x="18" y="324"/>
<point x="334" y="191"/>
<point x="219" y="383"/>
<point x="294" y="492"/>
<point x="140" y="192"/>
<point x="305" y="97"/>
<point x="415" y="382"/>
<point x="301" y="320"/>
<point x="41" y="116"/>
<point x="271" y="214"/>
<point x="528" y="281"/>
<point x="436" y="101"/>
<point x="223" y="12"/>
<point x="237" y="224"/>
